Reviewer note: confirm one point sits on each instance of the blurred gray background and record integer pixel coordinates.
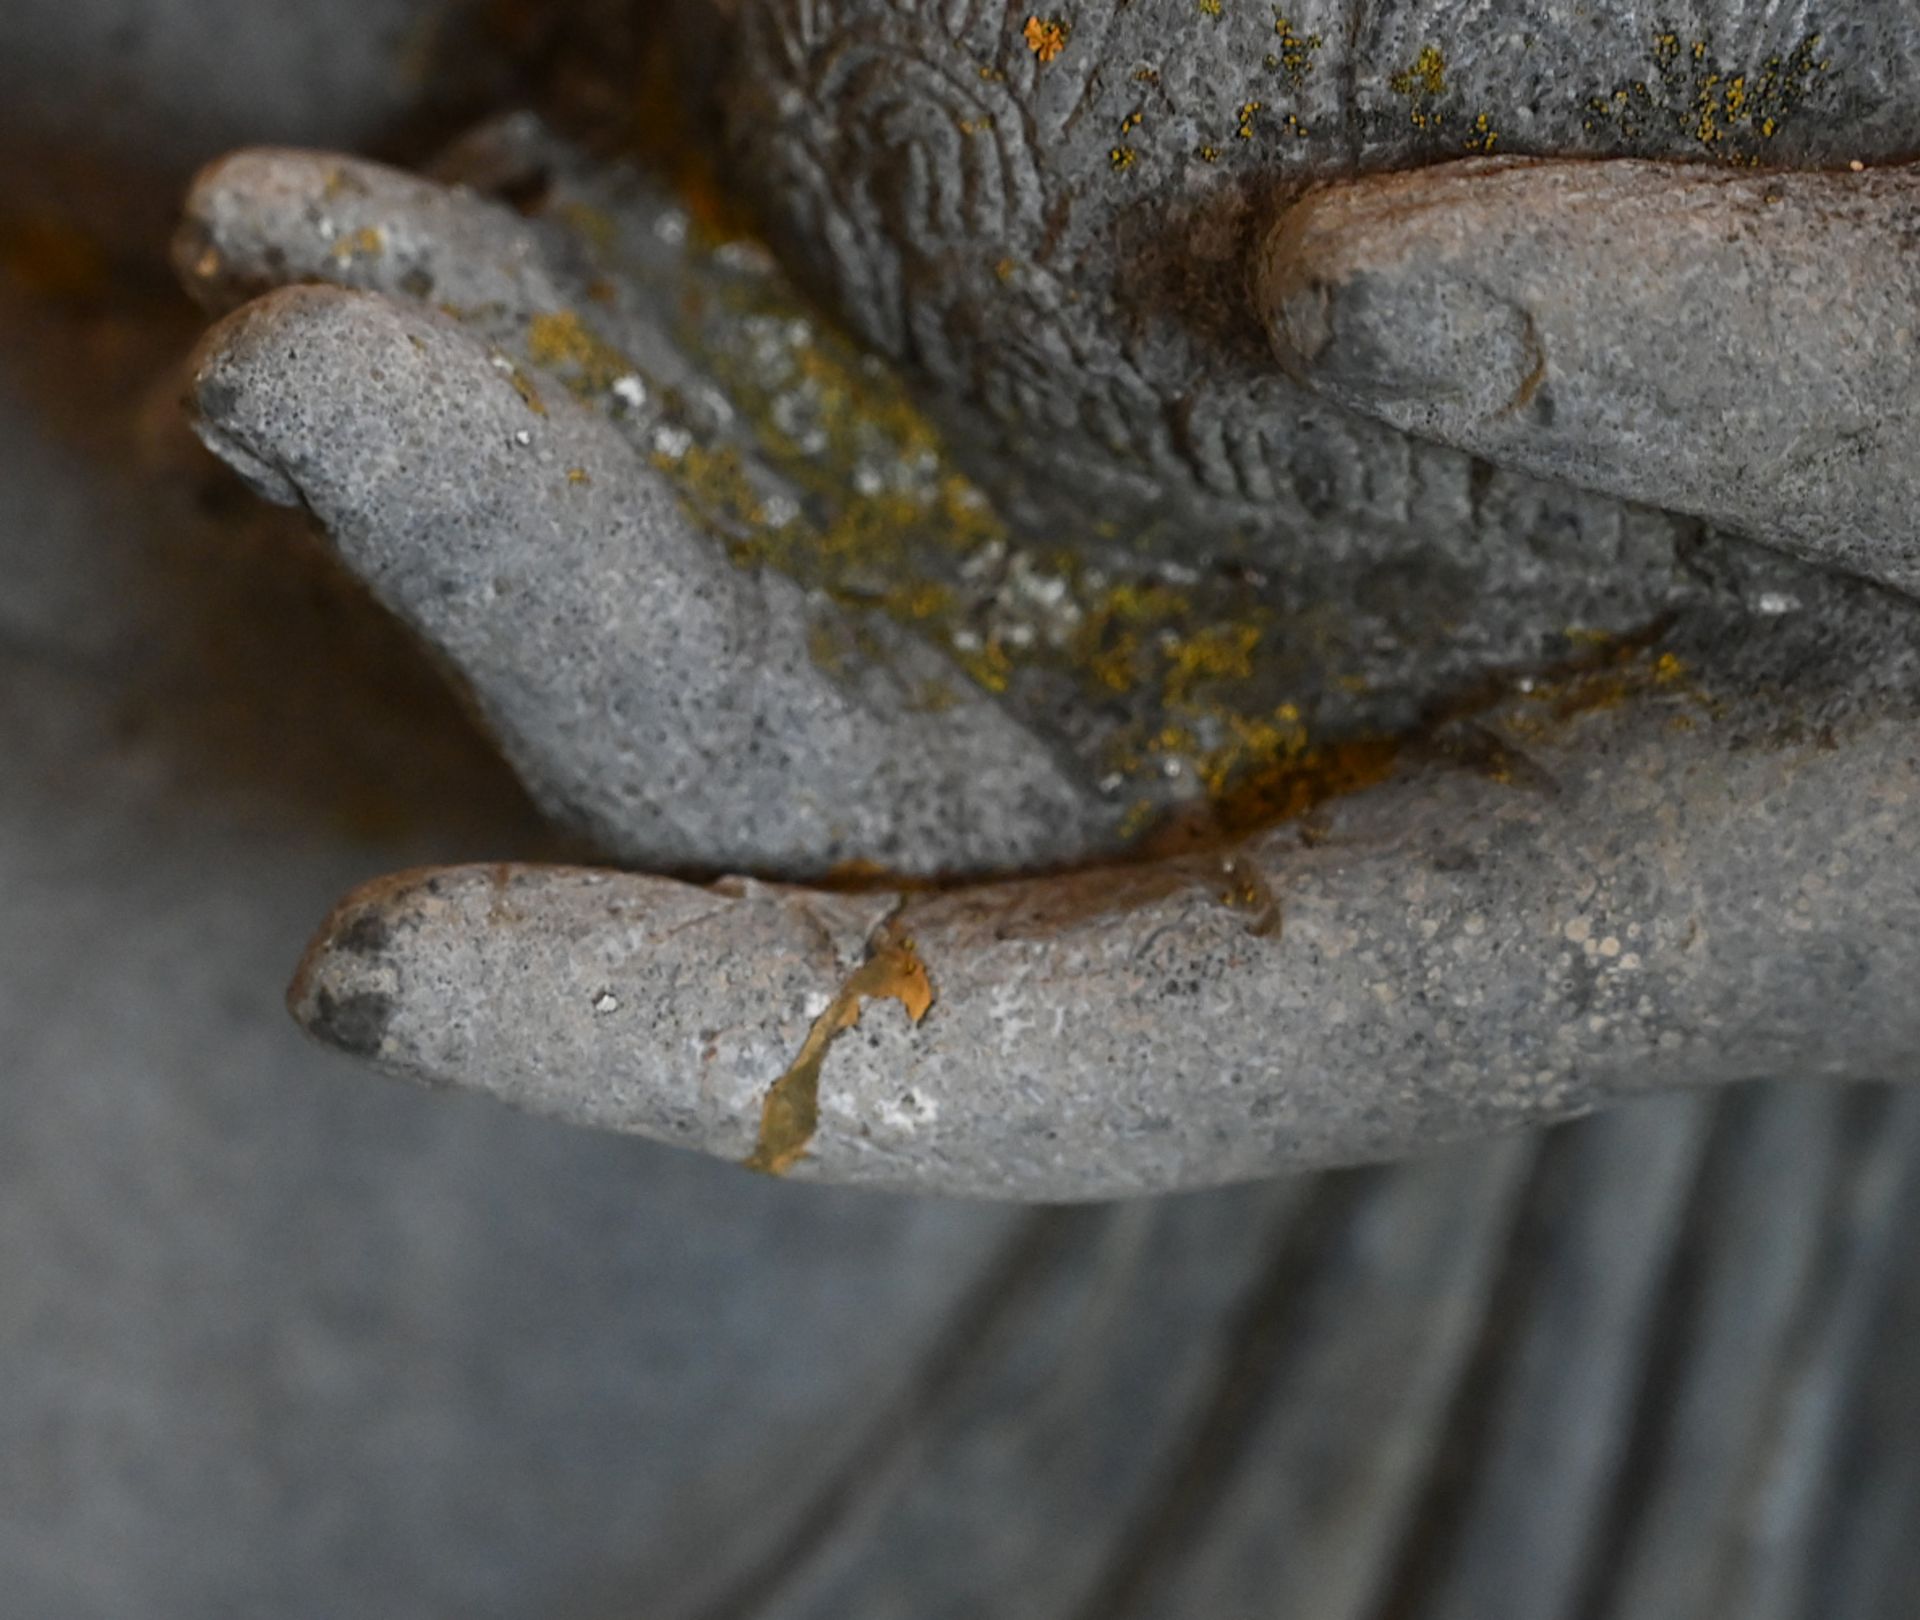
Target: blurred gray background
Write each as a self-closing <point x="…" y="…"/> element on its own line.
<point x="280" y="1338"/>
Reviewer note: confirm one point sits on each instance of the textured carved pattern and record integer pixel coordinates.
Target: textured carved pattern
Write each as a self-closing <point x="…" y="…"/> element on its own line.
<point x="903" y="147"/>
<point x="1057" y="235"/>
<point x="921" y="161"/>
<point x="907" y="150"/>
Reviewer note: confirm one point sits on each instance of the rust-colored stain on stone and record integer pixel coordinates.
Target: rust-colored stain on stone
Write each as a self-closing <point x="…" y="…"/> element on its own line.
<point x="791" y="1112"/>
<point x="1046" y="38"/>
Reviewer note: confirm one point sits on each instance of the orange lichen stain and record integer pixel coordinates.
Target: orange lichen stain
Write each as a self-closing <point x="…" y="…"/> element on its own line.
<point x="1046" y="38"/>
<point x="1267" y="776"/>
<point x="790" y="1113"/>
<point x="579" y="476"/>
<point x="1210" y="8"/>
<point x="1249" y="111"/>
<point x="1122" y="158"/>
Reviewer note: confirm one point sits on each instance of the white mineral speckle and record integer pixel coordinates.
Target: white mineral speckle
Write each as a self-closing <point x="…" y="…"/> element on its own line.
<point x="671" y="442"/>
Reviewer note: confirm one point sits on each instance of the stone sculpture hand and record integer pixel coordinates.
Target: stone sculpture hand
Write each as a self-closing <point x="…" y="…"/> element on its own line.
<point x="1637" y="794"/>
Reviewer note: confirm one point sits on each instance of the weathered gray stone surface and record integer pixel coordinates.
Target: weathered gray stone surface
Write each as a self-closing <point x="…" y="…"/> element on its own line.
<point x="275" y="1338"/>
<point x="1669" y="891"/>
<point x="1056" y="231"/>
<point x="656" y="698"/>
<point x="1734" y="345"/>
<point x="957" y="693"/>
<point x="1679" y="859"/>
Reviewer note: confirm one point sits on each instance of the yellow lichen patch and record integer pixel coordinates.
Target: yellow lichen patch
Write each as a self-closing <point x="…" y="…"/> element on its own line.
<point x="1113" y="642"/>
<point x="714" y="485"/>
<point x="1295" y="56"/>
<point x="1427" y="76"/>
<point x="790" y="1113"/>
<point x="827" y="471"/>
<point x="1221" y="652"/>
<point x="369" y="242"/>
<point x="562" y="342"/>
<point x="988" y="663"/>
<point x="1730" y="110"/>
<point x="884" y="520"/>
<point x="1045" y="37"/>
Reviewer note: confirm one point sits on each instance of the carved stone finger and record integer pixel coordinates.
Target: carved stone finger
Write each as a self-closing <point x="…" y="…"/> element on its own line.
<point x="272" y="217"/>
<point x="1630" y="905"/>
<point x="1742" y="346"/>
<point x="650" y="693"/>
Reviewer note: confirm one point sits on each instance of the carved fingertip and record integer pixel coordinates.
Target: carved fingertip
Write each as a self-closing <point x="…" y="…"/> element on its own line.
<point x="1371" y="294"/>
